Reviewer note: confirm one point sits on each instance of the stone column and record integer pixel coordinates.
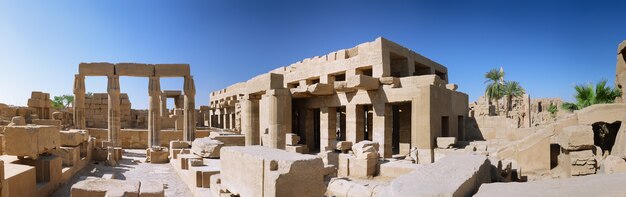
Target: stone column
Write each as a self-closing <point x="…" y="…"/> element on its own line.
<point x="164" y="111"/>
<point x="279" y="110"/>
<point x="189" y="128"/>
<point x="355" y="123"/>
<point x="328" y="128"/>
<point x="79" y="102"/>
<point x="226" y="118"/>
<point x="382" y="127"/>
<point x="113" y="88"/>
<point x="154" y="112"/>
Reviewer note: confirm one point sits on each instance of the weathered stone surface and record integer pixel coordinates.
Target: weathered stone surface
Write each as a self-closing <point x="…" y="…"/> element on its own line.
<point x="363" y="82"/>
<point x="582" y="162"/>
<point x="30" y="140"/>
<point x="206" y="147"/>
<point x="341" y="187"/>
<point x="344" y="145"/>
<point x="17" y="121"/>
<point x="592" y="185"/>
<point x="261" y="171"/>
<point x="19" y="180"/>
<point x="69" y="155"/>
<point x="72" y="137"/>
<point x="365" y="149"/>
<point x="97" y="187"/>
<point x="454" y="175"/>
<point x="612" y="164"/>
<point x="446" y="142"/>
<point x="297" y="149"/>
<point x="292" y="139"/>
<point x="363" y="168"/>
<point x="577" y="137"/>
<point x="619" y="148"/>
<point x="158" y="155"/>
<point x="179" y="144"/>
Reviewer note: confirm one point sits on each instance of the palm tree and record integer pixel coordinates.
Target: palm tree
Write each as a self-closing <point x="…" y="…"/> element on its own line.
<point x="587" y="95"/>
<point x="512" y="89"/>
<point x="495" y="85"/>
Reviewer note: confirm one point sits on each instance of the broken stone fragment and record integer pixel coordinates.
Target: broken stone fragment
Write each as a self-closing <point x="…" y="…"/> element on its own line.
<point x="578" y="137"/>
<point x="446" y="142"/>
<point x="206" y="147"/>
<point x="363" y="149"/>
<point x="17" y="121"/>
<point x="343" y="145"/>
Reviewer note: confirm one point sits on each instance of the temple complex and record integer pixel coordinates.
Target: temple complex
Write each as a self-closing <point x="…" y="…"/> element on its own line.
<point x="377" y="119"/>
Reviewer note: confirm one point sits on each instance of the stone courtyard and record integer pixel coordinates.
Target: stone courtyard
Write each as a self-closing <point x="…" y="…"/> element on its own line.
<point x="377" y="119"/>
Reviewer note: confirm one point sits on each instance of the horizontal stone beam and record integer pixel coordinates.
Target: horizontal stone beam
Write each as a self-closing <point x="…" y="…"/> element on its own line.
<point x="171" y="70"/>
<point x="134" y="69"/>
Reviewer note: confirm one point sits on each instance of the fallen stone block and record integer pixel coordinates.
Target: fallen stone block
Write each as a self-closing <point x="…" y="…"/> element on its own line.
<point x="19" y="180"/>
<point x="436" y="179"/>
<point x="344" y="146"/>
<point x="179" y="145"/>
<point x="446" y="142"/>
<point x="612" y="164"/>
<point x="47" y="168"/>
<point x="341" y="187"/>
<point x="70" y="156"/>
<point x="592" y="185"/>
<point x="243" y="168"/>
<point x="292" y="139"/>
<point x="363" y="148"/>
<point x="158" y="155"/>
<point x="106" y="187"/>
<point x="31" y="140"/>
<point x="206" y="147"/>
<point x="17" y="121"/>
<point x="72" y="137"/>
<point x="577" y="137"/>
<point x="363" y="168"/>
<point x="302" y="149"/>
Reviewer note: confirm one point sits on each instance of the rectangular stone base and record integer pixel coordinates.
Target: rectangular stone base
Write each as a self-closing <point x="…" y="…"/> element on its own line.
<point x="20" y="180"/>
<point x="363" y="168"/>
<point x="47" y="168"/>
<point x="158" y="156"/>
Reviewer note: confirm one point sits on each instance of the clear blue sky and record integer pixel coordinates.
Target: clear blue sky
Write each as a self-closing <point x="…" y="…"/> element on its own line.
<point x="548" y="46"/>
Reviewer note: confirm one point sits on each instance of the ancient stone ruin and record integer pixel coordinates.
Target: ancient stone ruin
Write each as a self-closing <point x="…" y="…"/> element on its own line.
<point x="377" y="119"/>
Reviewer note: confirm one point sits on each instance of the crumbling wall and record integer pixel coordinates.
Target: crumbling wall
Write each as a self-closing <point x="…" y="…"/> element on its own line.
<point x="96" y="110"/>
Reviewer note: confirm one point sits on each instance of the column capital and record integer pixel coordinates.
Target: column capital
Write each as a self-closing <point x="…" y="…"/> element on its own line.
<point x="189" y="86"/>
<point x="154" y="86"/>
<point x="79" y="84"/>
<point x="113" y="85"/>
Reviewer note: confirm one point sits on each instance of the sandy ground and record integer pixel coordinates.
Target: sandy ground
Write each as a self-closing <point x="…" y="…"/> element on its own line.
<point x="132" y="167"/>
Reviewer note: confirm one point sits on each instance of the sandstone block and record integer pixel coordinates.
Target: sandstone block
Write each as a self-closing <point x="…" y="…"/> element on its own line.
<point x="31" y="140"/>
<point x="344" y="145"/>
<point x="47" y="122"/>
<point x="612" y="164"/>
<point x="133" y="69"/>
<point x="17" y="121"/>
<point x="206" y="147"/>
<point x="446" y="142"/>
<point x="72" y="137"/>
<point x="577" y="137"/>
<point x="619" y="148"/>
<point x="302" y="149"/>
<point x="19" y="180"/>
<point x="47" y="168"/>
<point x="179" y="144"/>
<point x="244" y="168"/>
<point x="363" y="82"/>
<point x="158" y="155"/>
<point x="96" y="69"/>
<point x="470" y="171"/>
<point x="106" y="187"/>
<point x="362" y="148"/>
<point x="292" y="139"/>
<point x="363" y="168"/>
<point x="171" y="70"/>
<point x="70" y="156"/>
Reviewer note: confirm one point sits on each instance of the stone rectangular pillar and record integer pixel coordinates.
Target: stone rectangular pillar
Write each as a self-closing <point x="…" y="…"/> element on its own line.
<point x="250" y="119"/>
<point x="164" y="111"/>
<point x="79" y="102"/>
<point x="328" y="128"/>
<point x="154" y="112"/>
<point x="382" y="123"/>
<point x="355" y="123"/>
<point x="189" y="128"/>
<point x="278" y="105"/>
<point x="309" y="128"/>
<point x="226" y="118"/>
<point x="422" y="125"/>
<point x="114" y="119"/>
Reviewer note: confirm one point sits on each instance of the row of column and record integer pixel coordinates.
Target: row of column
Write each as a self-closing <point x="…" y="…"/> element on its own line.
<point x="154" y="110"/>
<point x="225" y="119"/>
